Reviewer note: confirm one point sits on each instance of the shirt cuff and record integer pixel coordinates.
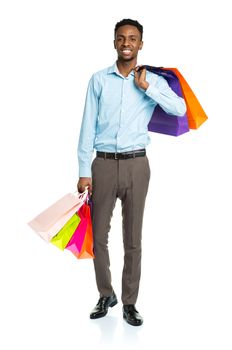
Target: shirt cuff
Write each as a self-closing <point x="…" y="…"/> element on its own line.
<point x="85" y="171"/>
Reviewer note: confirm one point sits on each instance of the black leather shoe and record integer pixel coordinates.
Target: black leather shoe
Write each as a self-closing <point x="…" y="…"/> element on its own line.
<point x="102" y="306"/>
<point x="131" y="315"/>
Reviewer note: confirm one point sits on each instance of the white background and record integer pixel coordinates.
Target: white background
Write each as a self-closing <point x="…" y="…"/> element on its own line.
<point x="49" y="50"/>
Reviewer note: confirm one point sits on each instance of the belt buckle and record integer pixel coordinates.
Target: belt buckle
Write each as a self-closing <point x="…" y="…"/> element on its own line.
<point x="115" y="156"/>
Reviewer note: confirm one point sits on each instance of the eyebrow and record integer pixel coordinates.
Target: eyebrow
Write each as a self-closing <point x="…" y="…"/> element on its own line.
<point x="132" y="35"/>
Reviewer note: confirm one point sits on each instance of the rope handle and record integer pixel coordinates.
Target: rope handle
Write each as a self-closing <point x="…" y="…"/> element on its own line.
<point x="81" y="195"/>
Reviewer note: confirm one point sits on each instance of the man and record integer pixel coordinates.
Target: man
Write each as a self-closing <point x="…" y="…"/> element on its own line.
<point x="119" y="104"/>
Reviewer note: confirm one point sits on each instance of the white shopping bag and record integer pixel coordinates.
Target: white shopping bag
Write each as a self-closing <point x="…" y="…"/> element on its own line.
<point x="48" y="223"/>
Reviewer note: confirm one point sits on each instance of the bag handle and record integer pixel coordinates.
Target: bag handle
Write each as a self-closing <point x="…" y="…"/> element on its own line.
<point x="81" y="195"/>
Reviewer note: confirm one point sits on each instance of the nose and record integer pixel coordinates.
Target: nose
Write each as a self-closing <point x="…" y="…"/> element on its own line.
<point x="126" y="42"/>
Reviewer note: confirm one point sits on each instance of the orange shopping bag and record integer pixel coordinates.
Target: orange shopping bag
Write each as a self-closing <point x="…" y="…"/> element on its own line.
<point x="195" y="113"/>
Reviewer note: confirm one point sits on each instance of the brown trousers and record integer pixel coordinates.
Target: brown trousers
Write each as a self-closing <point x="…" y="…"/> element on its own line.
<point x="128" y="180"/>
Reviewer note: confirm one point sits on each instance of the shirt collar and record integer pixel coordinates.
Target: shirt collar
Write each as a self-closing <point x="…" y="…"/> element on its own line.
<point x="114" y="69"/>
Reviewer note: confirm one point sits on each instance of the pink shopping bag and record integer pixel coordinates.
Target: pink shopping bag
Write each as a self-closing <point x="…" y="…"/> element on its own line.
<point x="87" y="251"/>
<point x="77" y="239"/>
<point x="48" y="223"/>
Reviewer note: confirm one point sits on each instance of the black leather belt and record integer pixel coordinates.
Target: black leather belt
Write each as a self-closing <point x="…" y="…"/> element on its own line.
<point x="124" y="155"/>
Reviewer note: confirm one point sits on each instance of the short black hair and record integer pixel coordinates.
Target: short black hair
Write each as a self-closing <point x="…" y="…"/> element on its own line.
<point x="131" y="22"/>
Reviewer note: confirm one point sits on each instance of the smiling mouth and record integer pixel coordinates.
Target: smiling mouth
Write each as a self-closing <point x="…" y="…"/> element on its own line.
<point x="126" y="51"/>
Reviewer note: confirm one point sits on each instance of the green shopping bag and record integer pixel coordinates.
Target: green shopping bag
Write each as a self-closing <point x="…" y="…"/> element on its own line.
<point x="62" y="238"/>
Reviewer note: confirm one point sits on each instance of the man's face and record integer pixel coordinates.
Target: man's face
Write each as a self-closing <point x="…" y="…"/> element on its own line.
<point x="127" y="42"/>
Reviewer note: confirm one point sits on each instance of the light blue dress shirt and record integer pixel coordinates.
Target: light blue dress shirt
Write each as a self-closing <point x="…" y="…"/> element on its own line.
<point x="117" y="113"/>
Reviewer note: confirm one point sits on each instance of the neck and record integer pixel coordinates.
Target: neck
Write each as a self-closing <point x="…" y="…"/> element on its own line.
<point x="125" y="67"/>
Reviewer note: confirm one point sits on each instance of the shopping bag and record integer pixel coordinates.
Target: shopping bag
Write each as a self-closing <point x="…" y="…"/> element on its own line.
<point x="48" y="223"/>
<point x="77" y="239"/>
<point x="62" y="238"/>
<point x="87" y="246"/>
<point x="164" y="123"/>
<point x="195" y="113"/>
<point x="161" y="121"/>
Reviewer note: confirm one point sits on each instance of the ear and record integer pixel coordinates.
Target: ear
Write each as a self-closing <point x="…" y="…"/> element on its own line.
<point x="114" y="44"/>
<point x="141" y="45"/>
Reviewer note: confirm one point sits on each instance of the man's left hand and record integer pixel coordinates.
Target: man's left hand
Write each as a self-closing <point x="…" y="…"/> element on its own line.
<point x="140" y="78"/>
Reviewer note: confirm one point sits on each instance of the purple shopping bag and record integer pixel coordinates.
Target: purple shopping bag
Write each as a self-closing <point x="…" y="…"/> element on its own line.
<point x="161" y="121"/>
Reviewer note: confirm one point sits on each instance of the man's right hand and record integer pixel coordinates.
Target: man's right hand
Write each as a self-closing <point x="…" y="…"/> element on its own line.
<point x="83" y="182"/>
